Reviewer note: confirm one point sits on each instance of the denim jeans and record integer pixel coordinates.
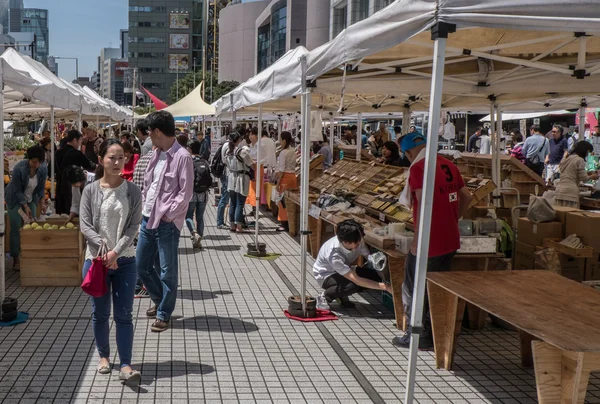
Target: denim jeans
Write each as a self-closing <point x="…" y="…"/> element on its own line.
<point x="121" y="283"/>
<point x="198" y="208"/>
<point x="158" y="247"/>
<point x="441" y="263"/>
<point x="223" y="201"/>
<point x="16" y="222"/>
<point x="236" y="208"/>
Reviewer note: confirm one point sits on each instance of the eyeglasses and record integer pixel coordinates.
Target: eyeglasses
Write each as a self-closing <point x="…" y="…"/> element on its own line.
<point x="554" y="131"/>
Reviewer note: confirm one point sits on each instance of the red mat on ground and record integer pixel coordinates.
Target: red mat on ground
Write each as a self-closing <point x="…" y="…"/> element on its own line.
<point x="322" y="315"/>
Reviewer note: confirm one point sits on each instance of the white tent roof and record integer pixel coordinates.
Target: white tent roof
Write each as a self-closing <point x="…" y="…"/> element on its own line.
<point x="512" y="117"/>
<point x="191" y="105"/>
<point x="388" y="58"/>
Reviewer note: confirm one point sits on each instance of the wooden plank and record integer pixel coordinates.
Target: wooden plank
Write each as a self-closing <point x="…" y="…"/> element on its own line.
<point x="49" y="239"/>
<point x="548" y="361"/>
<point x="585" y="252"/>
<point x="446" y="317"/>
<point x="525" y="340"/>
<point x="533" y="301"/>
<point x="51" y="272"/>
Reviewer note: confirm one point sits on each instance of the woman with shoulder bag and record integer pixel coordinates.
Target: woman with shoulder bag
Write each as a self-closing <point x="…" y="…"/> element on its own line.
<point x="286" y="176"/>
<point x="239" y="168"/>
<point x="110" y="217"/>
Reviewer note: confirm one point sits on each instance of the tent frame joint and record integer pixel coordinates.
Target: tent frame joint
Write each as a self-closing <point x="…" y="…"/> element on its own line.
<point x="580" y="74"/>
<point x="442" y="30"/>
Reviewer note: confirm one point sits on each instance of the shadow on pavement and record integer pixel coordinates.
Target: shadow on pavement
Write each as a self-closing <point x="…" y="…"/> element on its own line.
<point x="153" y="371"/>
<point x="216" y="237"/>
<point x="234" y="247"/>
<point x="215" y="324"/>
<point x="195" y="294"/>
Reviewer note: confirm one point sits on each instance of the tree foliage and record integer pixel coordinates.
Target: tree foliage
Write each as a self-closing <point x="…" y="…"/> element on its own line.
<point x="186" y="85"/>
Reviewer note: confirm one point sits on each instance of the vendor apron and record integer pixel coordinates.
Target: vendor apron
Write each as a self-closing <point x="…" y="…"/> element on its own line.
<point x="251" y="199"/>
<point x="288" y="183"/>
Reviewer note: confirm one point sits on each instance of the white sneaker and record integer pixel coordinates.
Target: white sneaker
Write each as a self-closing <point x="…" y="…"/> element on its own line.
<point x="197" y="241"/>
<point x="322" y="302"/>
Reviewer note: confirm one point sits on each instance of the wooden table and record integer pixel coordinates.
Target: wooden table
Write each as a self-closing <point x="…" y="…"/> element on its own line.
<point x="557" y="319"/>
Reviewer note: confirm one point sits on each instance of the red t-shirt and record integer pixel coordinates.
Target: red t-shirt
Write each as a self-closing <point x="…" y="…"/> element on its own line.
<point x="444" y="236"/>
<point x="127" y="172"/>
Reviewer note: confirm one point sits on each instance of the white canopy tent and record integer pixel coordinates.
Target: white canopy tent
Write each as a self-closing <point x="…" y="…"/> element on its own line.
<point x="512" y="117"/>
<point x="191" y="105"/>
<point x="474" y="66"/>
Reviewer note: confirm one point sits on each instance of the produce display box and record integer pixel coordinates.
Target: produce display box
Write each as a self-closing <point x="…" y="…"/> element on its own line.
<point x="585" y="252"/>
<point x="52" y="257"/>
<point x="480" y="189"/>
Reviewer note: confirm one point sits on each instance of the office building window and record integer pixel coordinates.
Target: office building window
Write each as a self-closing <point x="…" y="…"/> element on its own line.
<point x="154" y="85"/>
<point x="153" y="55"/>
<point x="146" y="24"/>
<point x="263" y="47"/>
<point x="278" y="33"/>
<point x="147" y="9"/>
<point x="141" y="39"/>
<point x="360" y="10"/>
<point x="152" y="70"/>
<point x="340" y="20"/>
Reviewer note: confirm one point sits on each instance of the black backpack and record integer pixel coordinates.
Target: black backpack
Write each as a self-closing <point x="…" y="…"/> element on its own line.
<point x="217" y="167"/>
<point x="202" y="178"/>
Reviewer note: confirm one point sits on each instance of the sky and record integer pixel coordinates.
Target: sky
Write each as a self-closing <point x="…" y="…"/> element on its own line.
<point x="80" y="28"/>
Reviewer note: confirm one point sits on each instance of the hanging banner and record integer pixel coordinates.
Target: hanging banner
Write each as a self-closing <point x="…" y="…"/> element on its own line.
<point x="180" y="21"/>
<point x="180" y="62"/>
<point x="179" y="41"/>
<point x="316" y="127"/>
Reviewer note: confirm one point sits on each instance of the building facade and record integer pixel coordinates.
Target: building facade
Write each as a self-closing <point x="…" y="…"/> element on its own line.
<point x="104" y="68"/>
<point x="166" y="41"/>
<point x="113" y="79"/>
<point x="33" y="20"/>
<point x="25" y="43"/>
<point x="124" y="35"/>
<point x="281" y="25"/>
<point x="5" y="6"/>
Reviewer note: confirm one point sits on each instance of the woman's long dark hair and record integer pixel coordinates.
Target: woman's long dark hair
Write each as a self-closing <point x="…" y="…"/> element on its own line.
<point x="287" y="136"/>
<point x="583" y="148"/>
<point x="393" y="147"/>
<point x="102" y="150"/>
<point x="233" y="138"/>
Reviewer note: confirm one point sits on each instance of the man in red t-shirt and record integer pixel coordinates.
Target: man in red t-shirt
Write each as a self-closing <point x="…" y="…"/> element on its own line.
<point x="450" y="202"/>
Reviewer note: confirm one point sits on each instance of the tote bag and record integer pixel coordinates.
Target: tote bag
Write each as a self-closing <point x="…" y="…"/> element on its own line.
<point x="94" y="283"/>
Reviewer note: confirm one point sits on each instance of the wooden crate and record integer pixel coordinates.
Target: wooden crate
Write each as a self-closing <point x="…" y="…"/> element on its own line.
<point x="585" y="252"/>
<point x="51" y="257"/>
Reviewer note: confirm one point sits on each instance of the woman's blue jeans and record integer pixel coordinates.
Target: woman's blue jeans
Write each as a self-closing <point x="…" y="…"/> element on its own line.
<point x="121" y="286"/>
<point x="236" y="208"/>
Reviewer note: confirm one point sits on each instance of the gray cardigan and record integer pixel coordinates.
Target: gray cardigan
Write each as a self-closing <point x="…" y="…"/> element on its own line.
<point x="89" y="217"/>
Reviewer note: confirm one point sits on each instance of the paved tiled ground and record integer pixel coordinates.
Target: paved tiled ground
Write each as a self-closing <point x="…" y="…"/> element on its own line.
<point x="230" y="343"/>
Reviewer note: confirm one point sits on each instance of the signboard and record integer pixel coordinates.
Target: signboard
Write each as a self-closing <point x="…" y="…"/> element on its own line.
<point x="179" y="62"/>
<point x="523" y="127"/>
<point x="536" y="121"/>
<point x="121" y="68"/>
<point x="179" y="21"/>
<point x="179" y="41"/>
<point x="20" y="129"/>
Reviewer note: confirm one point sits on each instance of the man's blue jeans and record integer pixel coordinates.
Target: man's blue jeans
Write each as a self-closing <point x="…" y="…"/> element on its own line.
<point x="121" y="283"/>
<point x="223" y="201"/>
<point x="158" y="247"/>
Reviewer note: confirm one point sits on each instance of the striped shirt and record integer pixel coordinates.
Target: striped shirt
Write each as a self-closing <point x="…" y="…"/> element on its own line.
<point x="140" y="169"/>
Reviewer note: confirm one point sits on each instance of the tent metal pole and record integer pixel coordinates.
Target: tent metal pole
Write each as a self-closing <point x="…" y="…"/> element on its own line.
<point x="304" y="171"/>
<point x="233" y="115"/>
<point x="110" y="131"/>
<point x="359" y="137"/>
<point x="79" y="120"/>
<point x="279" y="129"/>
<point x="405" y="121"/>
<point x="582" y="120"/>
<point x="331" y="130"/>
<point x="426" y="205"/>
<point x="493" y="146"/>
<point x="496" y="161"/>
<point x="52" y="154"/>
<point x="466" y="130"/>
<point x="259" y="179"/>
<point x="2" y="211"/>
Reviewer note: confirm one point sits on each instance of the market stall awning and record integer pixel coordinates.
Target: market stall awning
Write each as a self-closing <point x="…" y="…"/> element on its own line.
<point x="158" y="103"/>
<point x="512" y="117"/>
<point x="191" y="105"/>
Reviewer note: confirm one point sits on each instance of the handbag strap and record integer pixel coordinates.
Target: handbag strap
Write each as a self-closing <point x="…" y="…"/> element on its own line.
<point x="102" y="250"/>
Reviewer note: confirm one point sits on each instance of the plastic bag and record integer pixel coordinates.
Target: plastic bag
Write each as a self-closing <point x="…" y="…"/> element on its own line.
<point x="540" y="210"/>
<point x="549" y="196"/>
<point x="275" y="195"/>
<point x="378" y="261"/>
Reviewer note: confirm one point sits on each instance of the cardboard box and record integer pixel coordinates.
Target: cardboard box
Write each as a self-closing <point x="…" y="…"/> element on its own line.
<point x="534" y="233"/>
<point x="592" y="268"/>
<point x="524" y="256"/>
<point x="585" y="225"/>
<point x="572" y="268"/>
<point x="561" y="216"/>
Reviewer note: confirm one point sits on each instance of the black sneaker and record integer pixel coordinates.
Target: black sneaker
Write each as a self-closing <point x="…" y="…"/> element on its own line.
<point x="345" y="302"/>
<point x="425" y="343"/>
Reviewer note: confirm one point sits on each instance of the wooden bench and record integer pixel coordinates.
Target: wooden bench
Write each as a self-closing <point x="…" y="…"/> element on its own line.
<point x="557" y="319"/>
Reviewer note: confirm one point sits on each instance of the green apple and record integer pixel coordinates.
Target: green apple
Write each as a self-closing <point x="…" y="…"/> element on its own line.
<point x="70" y="225"/>
<point x="27" y="227"/>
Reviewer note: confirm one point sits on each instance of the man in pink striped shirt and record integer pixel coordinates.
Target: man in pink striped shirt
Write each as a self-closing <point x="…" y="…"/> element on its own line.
<point x="168" y="184"/>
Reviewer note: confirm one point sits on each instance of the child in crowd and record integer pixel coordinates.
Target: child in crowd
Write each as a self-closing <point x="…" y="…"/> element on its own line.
<point x="332" y="267"/>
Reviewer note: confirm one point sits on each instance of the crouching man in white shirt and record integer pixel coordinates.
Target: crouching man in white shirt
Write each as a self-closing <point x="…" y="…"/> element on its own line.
<point x="332" y="267"/>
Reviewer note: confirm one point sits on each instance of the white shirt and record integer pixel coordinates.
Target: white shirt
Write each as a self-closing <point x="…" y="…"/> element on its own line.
<point x="152" y="191"/>
<point x="485" y="145"/>
<point x="333" y="257"/>
<point x="33" y="182"/>
<point x="286" y="162"/>
<point x="270" y="150"/>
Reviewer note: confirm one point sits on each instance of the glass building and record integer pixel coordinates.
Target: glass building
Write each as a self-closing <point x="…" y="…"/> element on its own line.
<point x="5" y="6"/>
<point x="33" y="20"/>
